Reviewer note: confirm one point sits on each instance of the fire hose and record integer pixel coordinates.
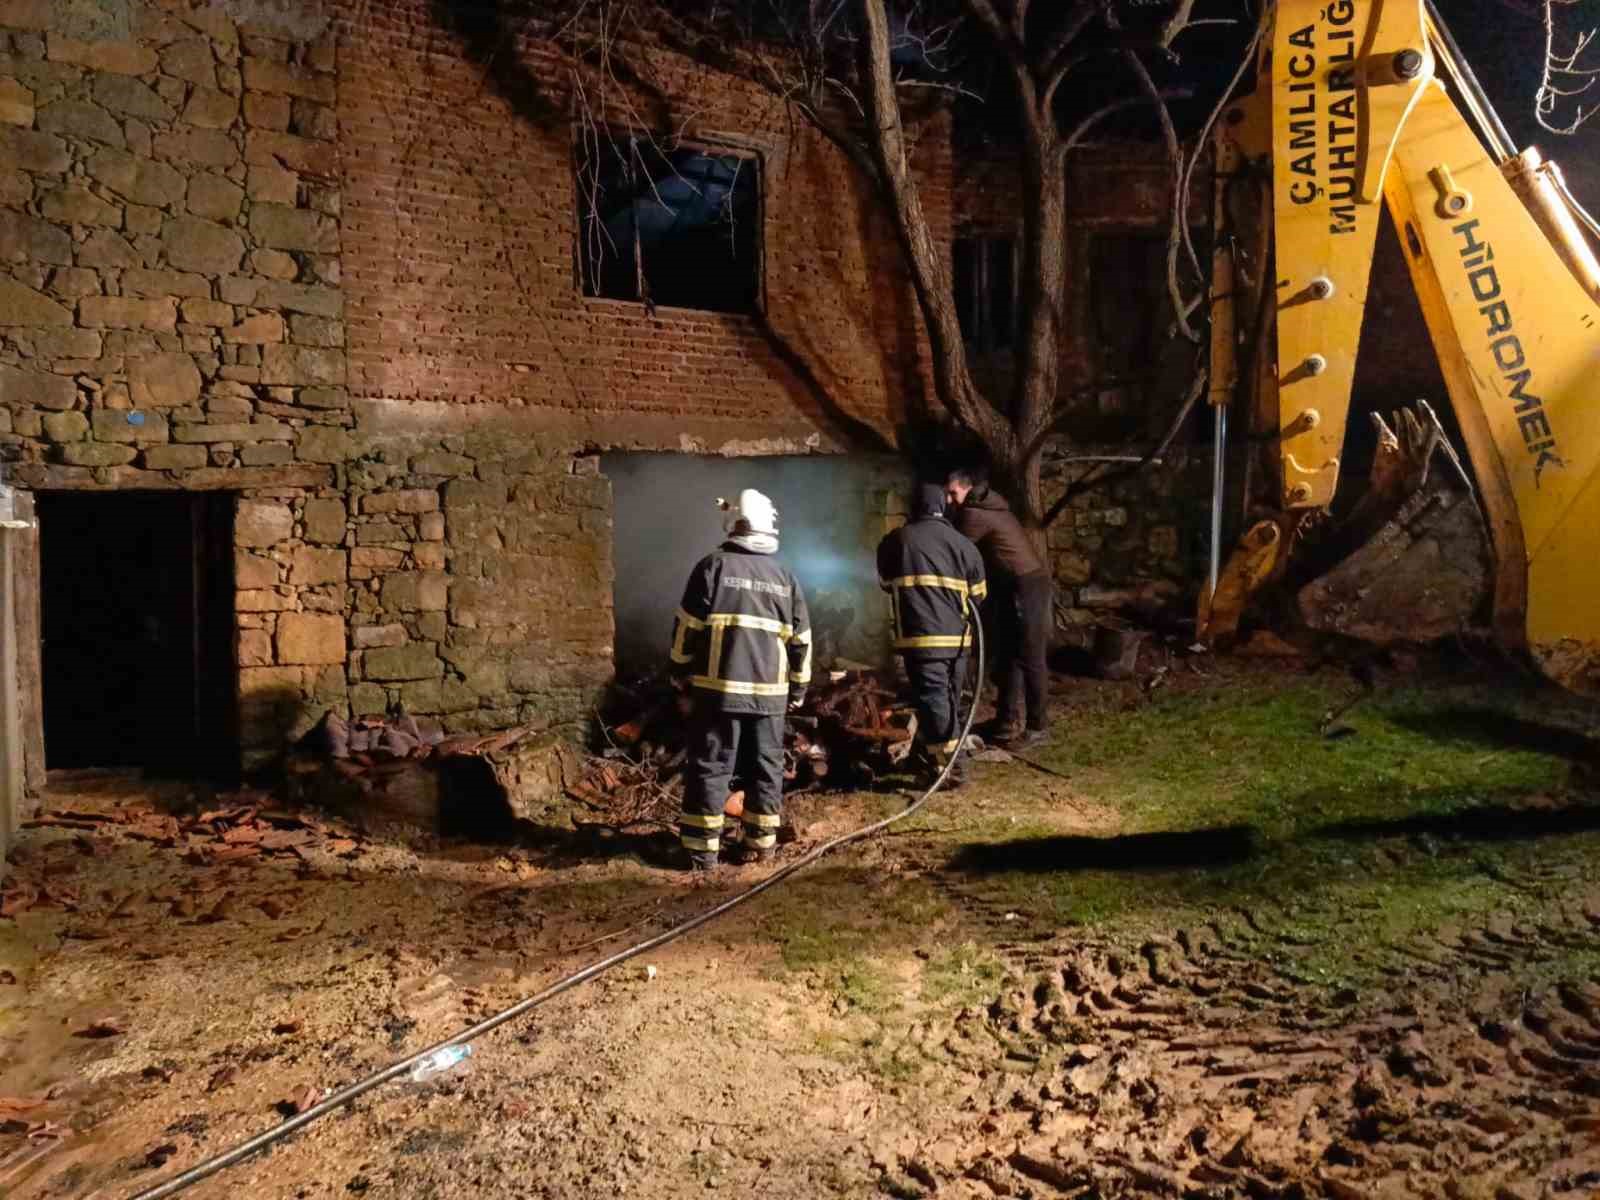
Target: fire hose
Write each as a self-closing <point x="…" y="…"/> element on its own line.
<point x="350" y="1092"/>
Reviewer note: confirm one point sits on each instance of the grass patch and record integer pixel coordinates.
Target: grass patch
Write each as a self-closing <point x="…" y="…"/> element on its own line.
<point x="1250" y="752"/>
<point x="961" y="975"/>
<point x="836" y="915"/>
<point x="863" y="986"/>
<point x="1233" y="802"/>
<point x="843" y="928"/>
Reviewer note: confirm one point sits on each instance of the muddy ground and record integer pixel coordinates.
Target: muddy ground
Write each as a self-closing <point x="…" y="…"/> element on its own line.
<point x="1207" y="952"/>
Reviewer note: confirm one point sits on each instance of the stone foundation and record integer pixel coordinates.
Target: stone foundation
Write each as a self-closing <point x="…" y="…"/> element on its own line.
<point x="232" y="259"/>
<point x="1137" y="547"/>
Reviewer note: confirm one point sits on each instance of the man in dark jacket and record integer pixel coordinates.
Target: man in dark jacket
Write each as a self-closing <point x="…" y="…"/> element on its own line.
<point x="934" y="577"/>
<point x="743" y="641"/>
<point x="1018" y="614"/>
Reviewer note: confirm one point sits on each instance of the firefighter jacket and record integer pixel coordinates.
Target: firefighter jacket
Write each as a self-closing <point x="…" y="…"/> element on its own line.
<point x="742" y="635"/>
<point x="933" y="576"/>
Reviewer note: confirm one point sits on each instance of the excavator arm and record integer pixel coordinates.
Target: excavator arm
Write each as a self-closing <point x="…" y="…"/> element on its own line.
<point x="1357" y="116"/>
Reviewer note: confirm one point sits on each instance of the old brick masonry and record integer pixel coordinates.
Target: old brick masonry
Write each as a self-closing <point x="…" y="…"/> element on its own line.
<point x="299" y="253"/>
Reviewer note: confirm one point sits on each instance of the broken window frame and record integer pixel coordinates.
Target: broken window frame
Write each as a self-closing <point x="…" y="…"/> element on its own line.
<point x="988" y="319"/>
<point x="593" y="244"/>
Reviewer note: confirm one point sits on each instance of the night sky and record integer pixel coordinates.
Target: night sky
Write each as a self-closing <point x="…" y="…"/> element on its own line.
<point x="1503" y="41"/>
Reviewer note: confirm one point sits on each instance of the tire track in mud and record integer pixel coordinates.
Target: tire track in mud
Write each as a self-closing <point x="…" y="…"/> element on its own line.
<point x="1191" y="1065"/>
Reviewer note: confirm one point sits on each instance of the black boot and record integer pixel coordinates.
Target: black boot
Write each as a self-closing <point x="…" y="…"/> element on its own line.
<point x="698" y="863"/>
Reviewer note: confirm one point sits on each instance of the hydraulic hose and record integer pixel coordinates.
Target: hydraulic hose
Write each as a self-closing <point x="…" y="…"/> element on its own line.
<point x="342" y="1097"/>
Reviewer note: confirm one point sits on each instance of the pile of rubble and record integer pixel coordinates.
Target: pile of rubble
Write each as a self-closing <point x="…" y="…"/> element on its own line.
<point x="246" y="830"/>
<point x="851" y="731"/>
<point x="406" y="770"/>
<point x="366" y="743"/>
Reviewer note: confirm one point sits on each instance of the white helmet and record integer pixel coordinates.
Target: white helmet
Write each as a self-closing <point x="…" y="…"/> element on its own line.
<point x="754" y="509"/>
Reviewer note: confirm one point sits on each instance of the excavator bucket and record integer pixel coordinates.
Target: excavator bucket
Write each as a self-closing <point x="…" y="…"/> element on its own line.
<point x="1412" y="561"/>
<point x="1422" y="577"/>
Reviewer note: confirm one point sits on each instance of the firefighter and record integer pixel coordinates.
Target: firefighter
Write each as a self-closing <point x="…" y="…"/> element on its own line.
<point x="934" y="577"/>
<point x="1018" y="614"/>
<point x="743" y="642"/>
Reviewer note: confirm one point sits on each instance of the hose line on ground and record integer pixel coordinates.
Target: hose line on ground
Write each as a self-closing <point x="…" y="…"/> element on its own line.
<point x="345" y="1095"/>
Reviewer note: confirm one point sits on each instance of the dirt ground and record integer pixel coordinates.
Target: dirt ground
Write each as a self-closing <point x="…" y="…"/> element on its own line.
<point x="1057" y="982"/>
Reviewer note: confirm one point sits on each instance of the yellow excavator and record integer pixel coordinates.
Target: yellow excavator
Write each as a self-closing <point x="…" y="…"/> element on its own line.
<point x="1351" y="115"/>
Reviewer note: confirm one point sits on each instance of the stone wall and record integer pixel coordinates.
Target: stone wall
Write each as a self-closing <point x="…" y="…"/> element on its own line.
<point x="170" y="303"/>
<point x="1134" y="548"/>
<point x="310" y="254"/>
<point x="466" y="578"/>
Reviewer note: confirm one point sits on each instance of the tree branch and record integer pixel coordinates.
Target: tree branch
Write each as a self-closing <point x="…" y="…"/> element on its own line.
<point x="1074" y="490"/>
<point x="1175" y="24"/>
<point x="1180" y="199"/>
<point x="1055" y="62"/>
<point x="1574" y="80"/>
<point x="1082" y="129"/>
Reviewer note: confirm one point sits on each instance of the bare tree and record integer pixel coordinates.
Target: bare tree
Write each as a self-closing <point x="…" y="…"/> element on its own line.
<point x="864" y="72"/>
<point x="1563" y="78"/>
<point x="867" y="75"/>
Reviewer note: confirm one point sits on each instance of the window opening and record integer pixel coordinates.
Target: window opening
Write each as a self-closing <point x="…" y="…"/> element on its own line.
<point x="1140" y="368"/>
<point x="678" y="227"/>
<point x="984" y="270"/>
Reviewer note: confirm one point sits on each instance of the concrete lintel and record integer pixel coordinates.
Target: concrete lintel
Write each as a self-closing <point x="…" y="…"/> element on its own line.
<point x="52" y="477"/>
<point x="576" y="432"/>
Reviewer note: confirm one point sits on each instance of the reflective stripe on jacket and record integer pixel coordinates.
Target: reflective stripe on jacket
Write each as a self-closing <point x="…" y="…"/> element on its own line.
<point x="742" y="633"/>
<point x="933" y="576"/>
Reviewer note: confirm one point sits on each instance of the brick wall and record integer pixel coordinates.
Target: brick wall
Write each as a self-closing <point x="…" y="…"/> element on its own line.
<point x="303" y="254"/>
<point x="460" y="228"/>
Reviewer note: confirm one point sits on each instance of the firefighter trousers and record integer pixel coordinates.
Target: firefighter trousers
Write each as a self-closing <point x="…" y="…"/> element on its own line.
<point x="936" y="686"/>
<point x="721" y="745"/>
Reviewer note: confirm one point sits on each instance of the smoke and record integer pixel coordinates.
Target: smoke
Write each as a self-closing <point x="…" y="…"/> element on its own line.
<point x="830" y="517"/>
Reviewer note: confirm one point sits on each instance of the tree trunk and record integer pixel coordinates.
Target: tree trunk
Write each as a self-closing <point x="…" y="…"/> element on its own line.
<point x="1043" y="299"/>
<point x="930" y="276"/>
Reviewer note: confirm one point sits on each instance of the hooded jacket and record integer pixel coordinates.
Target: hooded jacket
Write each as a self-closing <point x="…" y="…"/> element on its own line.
<point x="933" y="576"/>
<point x="1008" y="553"/>
<point x="742" y="634"/>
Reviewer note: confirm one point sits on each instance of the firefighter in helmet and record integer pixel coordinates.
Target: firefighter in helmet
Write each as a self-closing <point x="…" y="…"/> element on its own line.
<point x="934" y="577"/>
<point x="742" y="641"/>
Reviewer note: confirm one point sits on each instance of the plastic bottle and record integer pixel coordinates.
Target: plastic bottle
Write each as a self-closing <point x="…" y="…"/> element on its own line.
<point x="440" y="1061"/>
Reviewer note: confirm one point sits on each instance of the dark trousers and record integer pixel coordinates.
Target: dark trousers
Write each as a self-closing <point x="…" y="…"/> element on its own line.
<point x="936" y="685"/>
<point x="1019" y="619"/>
<point x="721" y="744"/>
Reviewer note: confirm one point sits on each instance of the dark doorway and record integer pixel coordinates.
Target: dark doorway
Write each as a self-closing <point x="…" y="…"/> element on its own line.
<point x="137" y="600"/>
